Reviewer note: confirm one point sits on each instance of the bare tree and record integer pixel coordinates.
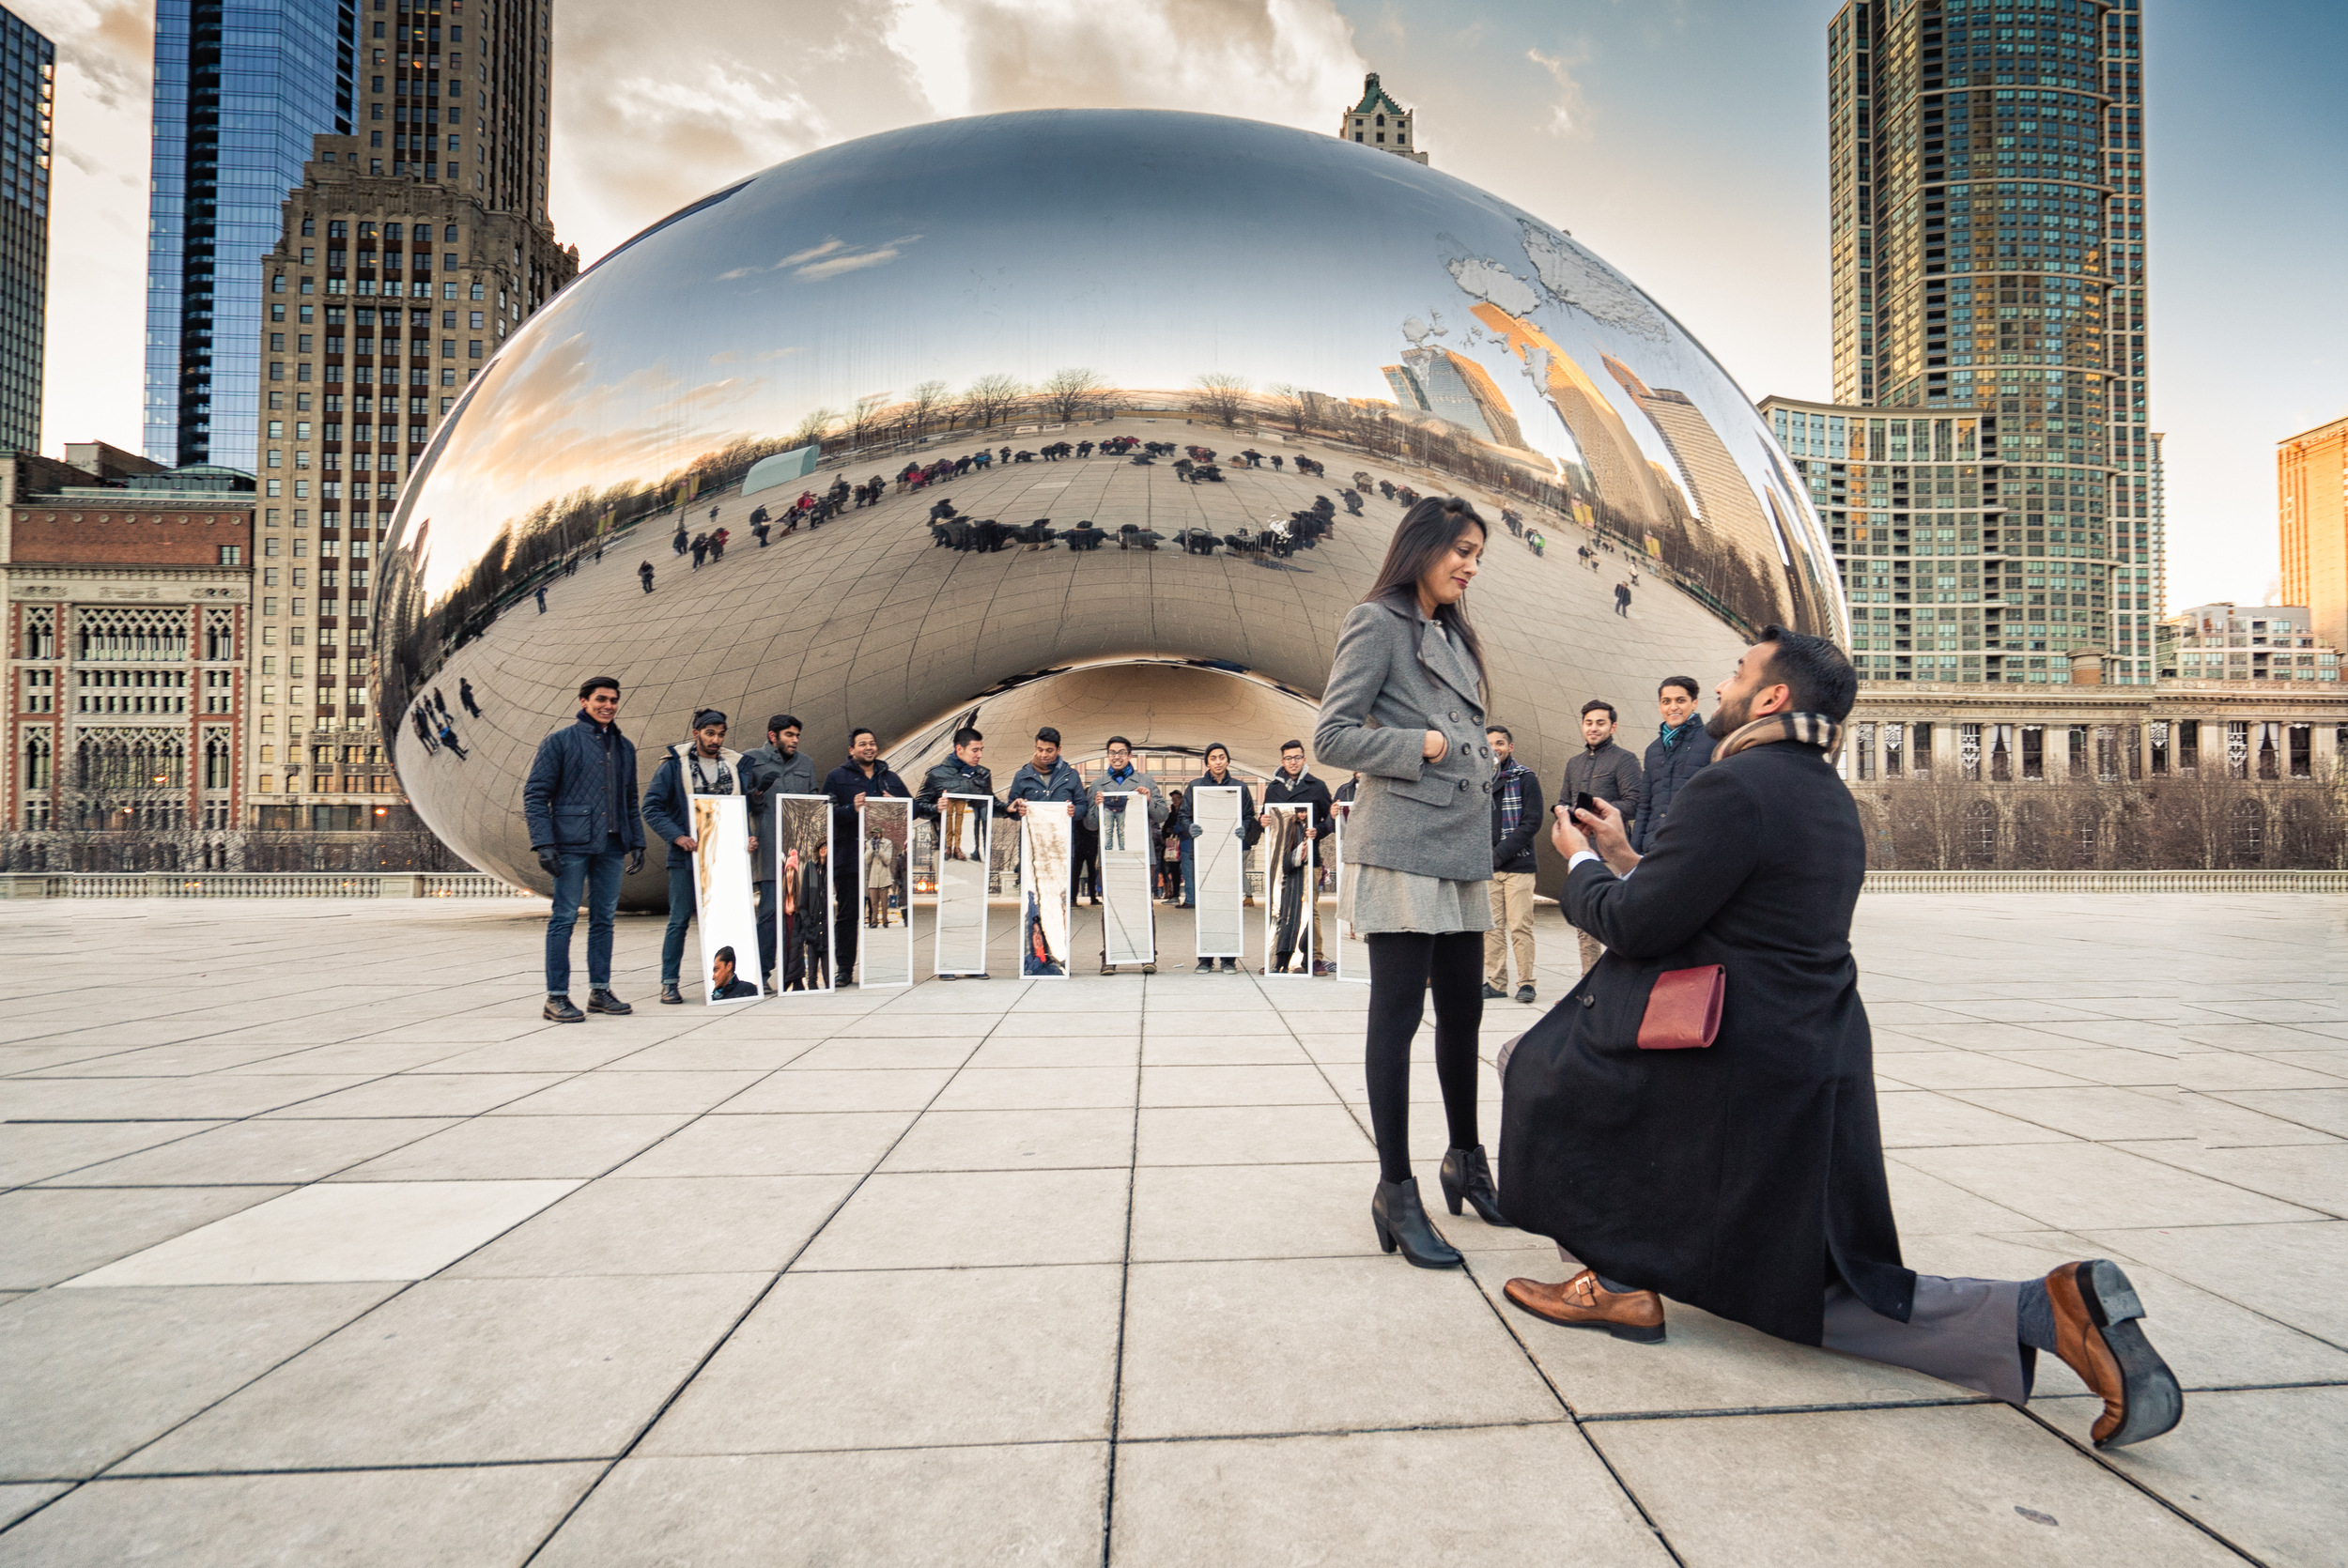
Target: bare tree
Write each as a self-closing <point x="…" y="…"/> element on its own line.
<point x="1065" y="392"/>
<point x="927" y="403"/>
<point x="813" y="428"/>
<point x="1294" y="403"/>
<point x="993" y="399"/>
<point x="866" y="419"/>
<point x="1221" y="396"/>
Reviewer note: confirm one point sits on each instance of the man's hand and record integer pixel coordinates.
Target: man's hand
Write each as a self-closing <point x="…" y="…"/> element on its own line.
<point x="635" y="861"/>
<point x="687" y="842"/>
<point x="1433" y="748"/>
<point x="548" y="858"/>
<point x="860" y="800"/>
<point x="1142" y="790"/>
<point x="1609" y="838"/>
<point x="1566" y="836"/>
<point x="1018" y="808"/>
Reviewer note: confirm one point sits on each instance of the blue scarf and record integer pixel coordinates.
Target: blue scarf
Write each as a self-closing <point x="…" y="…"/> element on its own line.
<point x="1670" y="734"/>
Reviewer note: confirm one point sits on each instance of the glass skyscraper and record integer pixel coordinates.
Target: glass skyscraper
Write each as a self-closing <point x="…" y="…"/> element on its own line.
<point x="239" y="90"/>
<point x="28" y="69"/>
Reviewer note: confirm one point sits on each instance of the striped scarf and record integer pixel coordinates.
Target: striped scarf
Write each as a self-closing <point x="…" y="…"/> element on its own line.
<point x="1814" y="730"/>
<point x="1509" y="786"/>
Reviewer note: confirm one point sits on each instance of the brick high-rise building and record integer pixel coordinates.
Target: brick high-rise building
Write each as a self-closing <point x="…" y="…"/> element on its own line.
<point x="28" y="69"/>
<point x="1986" y="178"/>
<point x="2311" y="506"/>
<point x="386" y="296"/>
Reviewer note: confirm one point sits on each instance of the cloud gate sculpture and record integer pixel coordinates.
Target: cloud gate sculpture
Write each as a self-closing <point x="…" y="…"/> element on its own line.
<point x="1305" y="309"/>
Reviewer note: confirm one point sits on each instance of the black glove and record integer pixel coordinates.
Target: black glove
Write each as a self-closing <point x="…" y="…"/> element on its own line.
<point x="548" y="858"/>
<point x="635" y="861"/>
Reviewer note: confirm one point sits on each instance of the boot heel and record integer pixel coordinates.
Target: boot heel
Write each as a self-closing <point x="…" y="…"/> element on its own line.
<point x="1638" y="1335"/>
<point x="1385" y="1237"/>
<point x="1451" y="1192"/>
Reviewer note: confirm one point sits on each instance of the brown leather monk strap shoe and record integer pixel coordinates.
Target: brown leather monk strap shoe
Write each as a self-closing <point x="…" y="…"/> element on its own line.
<point x="2096" y="1313"/>
<point x="1582" y="1302"/>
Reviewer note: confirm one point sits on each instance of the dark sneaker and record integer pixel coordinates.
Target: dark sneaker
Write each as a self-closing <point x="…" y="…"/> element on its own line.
<point x="1492" y="993"/>
<point x="600" y="1000"/>
<point x="670" y="995"/>
<point x="1206" y="966"/>
<point x="1230" y="966"/>
<point x="559" y="1011"/>
<point x="1323" y="966"/>
<point x="1524" y="993"/>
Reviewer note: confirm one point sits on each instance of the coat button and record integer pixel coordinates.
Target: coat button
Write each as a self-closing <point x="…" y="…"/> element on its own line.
<point x="1463" y="786"/>
<point x="1588" y="1000"/>
<point x="1454" y="716"/>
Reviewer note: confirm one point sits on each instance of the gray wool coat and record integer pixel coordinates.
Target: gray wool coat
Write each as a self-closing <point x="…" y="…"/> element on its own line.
<point x="1394" y="679"/>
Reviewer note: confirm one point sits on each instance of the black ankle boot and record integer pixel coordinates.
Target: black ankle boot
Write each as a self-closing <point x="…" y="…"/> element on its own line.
<point x="1466" y="1173"/>
<point x="1401" y="1221"/>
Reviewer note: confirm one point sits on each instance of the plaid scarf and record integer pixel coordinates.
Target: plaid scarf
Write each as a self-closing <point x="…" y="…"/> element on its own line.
<point x="1802" y="728"/>
<point x="1672" y="734"/>
<point x="1509" y="784"/>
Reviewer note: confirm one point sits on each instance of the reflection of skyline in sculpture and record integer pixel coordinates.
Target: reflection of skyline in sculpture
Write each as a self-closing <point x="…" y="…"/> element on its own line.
<point x="1618" y="470"/>
<point x="1439" y="382"/>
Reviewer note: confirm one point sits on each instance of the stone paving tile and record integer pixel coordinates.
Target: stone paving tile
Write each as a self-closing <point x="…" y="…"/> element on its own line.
<point x="1152" y="1238"/>
<point x="1956" y="1485"/>
<point x="354" y="1519"/>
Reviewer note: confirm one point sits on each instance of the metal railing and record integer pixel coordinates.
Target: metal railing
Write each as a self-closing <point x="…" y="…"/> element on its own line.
<point x="261" y="885"/>
<point x="2106" y="882"/>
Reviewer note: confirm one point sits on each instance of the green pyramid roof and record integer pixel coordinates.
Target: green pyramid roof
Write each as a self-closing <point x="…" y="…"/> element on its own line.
<point x="1374" y="97"/>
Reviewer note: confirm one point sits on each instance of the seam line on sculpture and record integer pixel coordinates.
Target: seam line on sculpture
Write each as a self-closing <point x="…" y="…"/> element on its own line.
<point x="701" y="1363"/>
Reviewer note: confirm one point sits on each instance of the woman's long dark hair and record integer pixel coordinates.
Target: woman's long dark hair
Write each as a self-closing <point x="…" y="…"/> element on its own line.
<point x="1426" y="531"/>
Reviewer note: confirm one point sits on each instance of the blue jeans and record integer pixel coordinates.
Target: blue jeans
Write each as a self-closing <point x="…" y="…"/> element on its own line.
<point x="680" y="916"/>
<point x="597" y="877"/>
<point x="1190" y="873"/>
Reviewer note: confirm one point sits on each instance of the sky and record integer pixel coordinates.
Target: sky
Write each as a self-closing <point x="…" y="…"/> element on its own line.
<point x="1683" y="140"/>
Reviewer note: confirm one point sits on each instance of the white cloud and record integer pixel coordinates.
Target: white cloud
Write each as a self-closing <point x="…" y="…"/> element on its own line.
<point x="1292" y="62"/>
<point x="1569" y="100"/>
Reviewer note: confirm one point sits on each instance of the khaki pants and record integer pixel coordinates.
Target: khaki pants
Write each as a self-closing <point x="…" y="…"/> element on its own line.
<point x="1591" y="949"/>
<point x="1512" y="928"/>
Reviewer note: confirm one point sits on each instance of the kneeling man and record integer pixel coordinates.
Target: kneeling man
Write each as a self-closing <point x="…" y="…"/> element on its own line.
<point x="1746" y="1178"/>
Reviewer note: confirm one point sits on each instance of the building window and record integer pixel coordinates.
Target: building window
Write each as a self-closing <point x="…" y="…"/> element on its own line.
<point x="2237" y="748"/>
<point x="231" y="555"/>
<point x="1864" y="743"/>
<point x="2302" y="740"/>
<point x="1891" y="749"/>
<point x="2247" y="830"/>
<point x="1968" y="751"/>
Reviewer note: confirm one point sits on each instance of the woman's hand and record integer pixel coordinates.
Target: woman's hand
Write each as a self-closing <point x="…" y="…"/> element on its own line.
<point x="1434" y="746"/>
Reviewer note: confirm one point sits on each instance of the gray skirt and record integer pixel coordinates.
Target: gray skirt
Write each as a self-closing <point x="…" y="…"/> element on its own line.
<point x="1376" y="899"/>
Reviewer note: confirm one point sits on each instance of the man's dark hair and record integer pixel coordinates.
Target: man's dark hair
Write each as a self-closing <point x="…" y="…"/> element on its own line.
<point x="1119" y="740"/>
<point x="595" y="683"/>
<point x="1048" y="733"/>
<point x="725" y="955"/>
<point x="1600" y="704"/>
<point x="1501" y="730"/>
<point x="783" y="721"/>
<point x="1818" y="673"/>
<point x="964" y="735"/>
<point x="1287" y="746"/>
<point x="862" y="730"/>
<point x="1685" y="682"/>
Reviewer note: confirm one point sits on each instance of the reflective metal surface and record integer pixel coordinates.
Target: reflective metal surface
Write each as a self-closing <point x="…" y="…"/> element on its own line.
<point x="1021" y="280"/>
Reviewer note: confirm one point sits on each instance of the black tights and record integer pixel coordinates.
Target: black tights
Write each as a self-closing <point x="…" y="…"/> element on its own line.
<point x="1403" y="967"/>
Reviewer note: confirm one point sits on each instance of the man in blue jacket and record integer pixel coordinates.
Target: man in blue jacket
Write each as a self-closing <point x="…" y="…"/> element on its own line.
<point x="1673" y="758"/>
<point x="579" y="803"/>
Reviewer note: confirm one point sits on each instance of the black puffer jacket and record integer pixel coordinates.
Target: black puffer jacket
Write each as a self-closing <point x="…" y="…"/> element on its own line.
<point x="1668" y="768"/>
<point x="583" y="789"/>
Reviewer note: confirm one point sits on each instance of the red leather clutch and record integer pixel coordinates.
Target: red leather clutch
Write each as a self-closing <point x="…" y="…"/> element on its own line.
<point x="1683" y="1011"/>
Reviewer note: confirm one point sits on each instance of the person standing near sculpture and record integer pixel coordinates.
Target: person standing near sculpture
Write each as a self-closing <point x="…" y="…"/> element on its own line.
<point x="701" y="766"/>
<point x="1516" y="818"/>
<point x="1605" y="772"/>
<point x="1218" y="775"/>
<point x="1673" y="758"/>
<point x="580" y="806"/>
<point x="862" y="776"/>
<point x="777" y="768"/>
<point x="1404" y="706"/>
<point x="1739" y="1166"/>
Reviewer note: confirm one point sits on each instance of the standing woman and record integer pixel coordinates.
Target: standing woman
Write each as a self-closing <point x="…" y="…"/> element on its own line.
<point x="1404" y="707"/>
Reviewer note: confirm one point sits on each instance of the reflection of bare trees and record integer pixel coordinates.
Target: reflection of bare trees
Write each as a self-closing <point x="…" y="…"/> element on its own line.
<point x="245" y="849"/>
<point x="925" y="406"/>
<point x="2201" y="821"/>
<point x="991" y="399"/>
<point x="1220" y="396"/>
<point x="1066" y="394"/>
<point x="1292" y="403"/>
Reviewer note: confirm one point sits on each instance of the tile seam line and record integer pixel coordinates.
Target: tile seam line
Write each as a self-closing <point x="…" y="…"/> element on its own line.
<point x="2095" y="1457"/>
<point x="1124" y="1291"/>
<point x="732" y="1329"/>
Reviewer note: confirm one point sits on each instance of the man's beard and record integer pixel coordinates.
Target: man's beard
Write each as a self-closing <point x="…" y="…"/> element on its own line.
<point x="1729" y="718"/>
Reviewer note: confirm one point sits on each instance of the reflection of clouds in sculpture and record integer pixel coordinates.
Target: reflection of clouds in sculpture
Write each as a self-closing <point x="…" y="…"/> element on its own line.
<point x="1576" y="278"/>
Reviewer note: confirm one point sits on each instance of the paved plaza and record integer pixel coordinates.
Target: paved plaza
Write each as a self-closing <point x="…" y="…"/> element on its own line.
<point x="323" y="1249"/>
